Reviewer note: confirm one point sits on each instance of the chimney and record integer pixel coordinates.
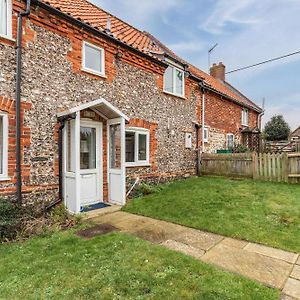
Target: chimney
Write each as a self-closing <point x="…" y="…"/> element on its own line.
<point x="218" y="71"/>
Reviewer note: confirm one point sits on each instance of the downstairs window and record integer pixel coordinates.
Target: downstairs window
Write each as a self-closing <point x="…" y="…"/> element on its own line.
<point x="3" y="145"/>
<point x="137" y="147"/>
<point x="5" y="18"/>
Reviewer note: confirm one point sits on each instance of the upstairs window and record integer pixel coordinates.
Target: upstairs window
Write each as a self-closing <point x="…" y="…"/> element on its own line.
<point x="245" y="117"/>
<point x="174" y="81"/>
<point x="93" y="60"/>
<point x="3" y="145"/>
<point x="5" y="18"/>
<point x="137" y="147"/>
<point x="230" y="141"/>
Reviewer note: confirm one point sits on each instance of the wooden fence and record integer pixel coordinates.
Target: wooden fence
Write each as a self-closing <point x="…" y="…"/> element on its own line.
<point x="280" y="167"/>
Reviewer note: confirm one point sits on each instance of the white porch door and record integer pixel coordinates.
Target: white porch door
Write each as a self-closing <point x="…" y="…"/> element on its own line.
<point x="90" y="163"/>
<point x="116" y="161"/>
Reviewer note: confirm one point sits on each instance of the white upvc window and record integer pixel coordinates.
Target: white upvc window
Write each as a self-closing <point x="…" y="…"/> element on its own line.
<point x="93" y="59"/>
<point x="137" y="146"/>
<point x="245" y="117"/>
<point x="230" y="140"/>
<point x="174" y="81"/>
<point x="6" y="18"/>
<point x="3" y="146"/>
<point x="205" y="134"/>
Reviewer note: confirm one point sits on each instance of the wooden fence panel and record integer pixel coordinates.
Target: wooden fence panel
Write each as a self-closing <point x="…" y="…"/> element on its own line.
<point x="277" y="167"/>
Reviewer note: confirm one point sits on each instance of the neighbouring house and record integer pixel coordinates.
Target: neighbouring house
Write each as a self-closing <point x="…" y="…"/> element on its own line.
<point x="88" y="103"/>
<point x="295" y="135"/>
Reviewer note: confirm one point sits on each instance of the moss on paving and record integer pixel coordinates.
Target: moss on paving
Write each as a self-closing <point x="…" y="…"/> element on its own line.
<point x="262" y="212"/>
<point x="113" y="266"/>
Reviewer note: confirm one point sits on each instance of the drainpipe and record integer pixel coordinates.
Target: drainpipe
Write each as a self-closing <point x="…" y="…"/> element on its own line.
<point x="198" y="171"/>
<point x="18" y="101"/>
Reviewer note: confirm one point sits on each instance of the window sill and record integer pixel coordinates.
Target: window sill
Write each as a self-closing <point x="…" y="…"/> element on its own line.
<point x="94" y="73"/>
<point x="7" y="38"/>
<point x="138" y="165"/>
<point x="174" y="95"/>
<point x="5" y="178"/>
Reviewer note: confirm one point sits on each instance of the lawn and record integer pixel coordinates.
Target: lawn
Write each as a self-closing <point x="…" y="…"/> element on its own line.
<point x="263" y="212"/>
<point x="113" y="266"/>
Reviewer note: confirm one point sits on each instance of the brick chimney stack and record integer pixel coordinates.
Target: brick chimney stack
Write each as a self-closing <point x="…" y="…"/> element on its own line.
<point x="218" y="71"/>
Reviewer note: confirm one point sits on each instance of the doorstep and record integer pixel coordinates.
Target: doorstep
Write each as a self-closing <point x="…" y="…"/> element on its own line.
<point x="101" y="212"/>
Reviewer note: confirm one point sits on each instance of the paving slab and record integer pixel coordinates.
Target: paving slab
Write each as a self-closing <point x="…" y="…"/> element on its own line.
<point x="272" y="252"/>
<point x="101" y="212"/>
<point x="285" y="297"/>
<point x="270" y="271"/>
<point x="234" y="243"/>
<point x="298" y="261"/>
<point x="198" y="239"/>
<point x="292" y="288"/>
<point x="183" y="248"/>
<point x="133" y="224"/>
<point x="296" y="272"/>
<point x="113" y="218"/>
<point x="159" y="232"/>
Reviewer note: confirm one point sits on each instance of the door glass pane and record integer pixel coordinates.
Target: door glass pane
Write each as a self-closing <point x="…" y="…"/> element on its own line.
<point x="70" y="146"/>
<point x="179" y="82"/>
<point x="115" y="146"/>
<point x="168" y="80"/>
<point x="142" y="147"/>
<point x="1" y="145"/>
<point x="130" y="137"/>
<point x="93" y="58"/>
<point x="3" y="17"/>
<point x="87" y="148"/>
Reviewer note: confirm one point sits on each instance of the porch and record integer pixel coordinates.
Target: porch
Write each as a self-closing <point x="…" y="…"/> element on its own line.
<point x="93" y="155"/>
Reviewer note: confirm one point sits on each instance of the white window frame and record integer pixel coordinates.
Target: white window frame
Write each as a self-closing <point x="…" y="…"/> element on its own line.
<point x="9" y="21"/>
<point x="176" y="67"/>
<point x="206" y="128"/>
<point x="137" y="162"/>
<point x="233" y="140"/>
<point x="4" y="174"/>
<point x="245" y="122"/>
<point x="102" y="58"/>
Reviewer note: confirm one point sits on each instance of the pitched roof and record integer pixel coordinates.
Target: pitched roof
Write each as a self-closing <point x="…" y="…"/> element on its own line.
<point x="296" y="132"/>
<point x="96" y="17"/>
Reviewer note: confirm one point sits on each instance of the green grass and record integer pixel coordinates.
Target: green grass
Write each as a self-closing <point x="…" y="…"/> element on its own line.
<point x="263" y="212"/>
<point x="114" y="266"/>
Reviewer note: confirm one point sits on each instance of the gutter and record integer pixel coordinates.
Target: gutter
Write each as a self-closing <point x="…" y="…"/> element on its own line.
<point x="18" y="101"/>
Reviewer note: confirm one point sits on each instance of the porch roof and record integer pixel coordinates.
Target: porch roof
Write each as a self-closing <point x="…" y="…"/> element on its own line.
<point x="103" y="107"/>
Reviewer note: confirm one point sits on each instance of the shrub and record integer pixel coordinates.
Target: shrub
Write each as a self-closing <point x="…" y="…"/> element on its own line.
<point x="146" y="189"/>
<point x="240" y="148"/>
<point x="10" y="219"/>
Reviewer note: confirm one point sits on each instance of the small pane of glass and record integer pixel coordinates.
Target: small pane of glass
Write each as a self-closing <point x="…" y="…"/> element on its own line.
<point x="168" y="80"/>
<point x="142" y="147"/>
<point x="115" y="146"/>
<point x="93" y="58"/>
<point x="1" y="145"/>
<point x="230" y="141"/>
<point x="130" y="146"/>
<point x="179" y="82"/>
<point x="87" y="148"/>
<point x="3" y="17"/>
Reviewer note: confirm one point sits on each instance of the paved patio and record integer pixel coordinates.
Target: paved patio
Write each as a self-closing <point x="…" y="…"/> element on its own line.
<point x="272" y="267"/>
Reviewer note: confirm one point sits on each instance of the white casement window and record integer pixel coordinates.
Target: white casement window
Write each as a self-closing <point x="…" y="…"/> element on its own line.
<point x="205" y="134"/>
<point x="93" y="59"/>
<point x="5" y="18"/>
<point x="3" y="145"/>
<point x="230" y="141"/>
<point x="245" y="117"/>
<point x="137" y="147"/>
<point x="174" y="81"/>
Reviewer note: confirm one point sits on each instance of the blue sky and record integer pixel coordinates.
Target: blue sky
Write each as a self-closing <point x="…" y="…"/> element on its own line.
<point x="247" y="31"/>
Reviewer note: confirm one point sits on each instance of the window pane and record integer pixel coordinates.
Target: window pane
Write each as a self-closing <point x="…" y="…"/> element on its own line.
<point x="1" y="145"/>
<point x="115" y="146"/>
<point x="3" y="17"/>
<point x="142" y="147"/>
<point x="179" y="82"/>
<point x="168" y="80"/>
<point x="230" y="141"/>
<point x="130" y="145"/>
<point x="70" y="132"/>
<point x="87" y="148"/>
<point x="92" y="58"/>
